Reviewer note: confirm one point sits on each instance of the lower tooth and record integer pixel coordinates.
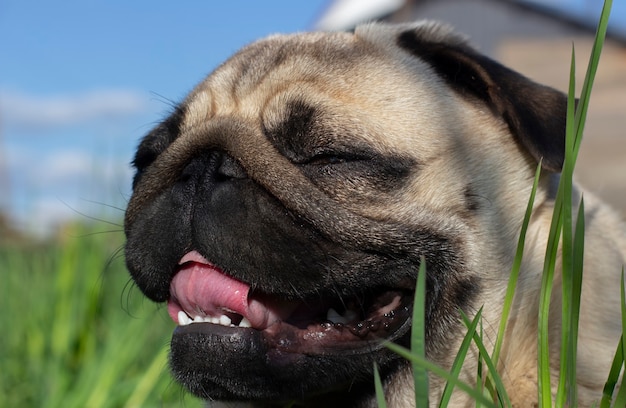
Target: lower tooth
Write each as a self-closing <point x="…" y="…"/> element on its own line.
<point x="334" y="317"/>
<point x="245" y="323"/>
<point x="183" y="319"/>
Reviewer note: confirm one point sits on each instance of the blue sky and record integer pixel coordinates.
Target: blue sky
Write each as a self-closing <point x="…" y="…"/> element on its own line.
<point x="82" y="81"/>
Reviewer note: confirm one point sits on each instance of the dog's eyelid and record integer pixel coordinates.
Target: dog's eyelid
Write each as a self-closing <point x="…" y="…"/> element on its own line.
<point x="325" y="159"/>
<point x="330" y="157"/>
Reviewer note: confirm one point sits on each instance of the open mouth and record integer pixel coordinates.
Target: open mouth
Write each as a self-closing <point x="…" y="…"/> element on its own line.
<point x="203" y="299"/>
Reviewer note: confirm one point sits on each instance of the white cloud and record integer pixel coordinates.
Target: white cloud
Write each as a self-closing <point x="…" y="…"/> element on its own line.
<point x="66" y="165"/>
<point x="49" y="188"/>
<point x="67" y="156"/>
<point x="47" y="214"/>
<point x="37" y="111"/>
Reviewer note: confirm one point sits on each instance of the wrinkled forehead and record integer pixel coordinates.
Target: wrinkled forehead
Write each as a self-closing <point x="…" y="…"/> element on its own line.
<point x="300" y="57"/>
<point x="334" y="70"/>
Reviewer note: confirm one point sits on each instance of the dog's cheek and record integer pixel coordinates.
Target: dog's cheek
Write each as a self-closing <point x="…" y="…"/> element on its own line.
<point x="154" y="245"/>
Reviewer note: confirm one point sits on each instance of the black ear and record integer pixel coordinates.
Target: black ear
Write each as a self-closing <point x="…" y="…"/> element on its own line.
<point x="535" y="113"/>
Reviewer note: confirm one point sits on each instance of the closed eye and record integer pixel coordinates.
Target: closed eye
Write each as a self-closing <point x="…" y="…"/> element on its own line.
<point x="327" y="158"/>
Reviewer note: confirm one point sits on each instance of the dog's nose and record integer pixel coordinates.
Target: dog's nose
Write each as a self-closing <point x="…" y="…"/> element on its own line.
<point x="212" y="166"/>
<point x="230" y="168"/>
<point x="204" y="172"/>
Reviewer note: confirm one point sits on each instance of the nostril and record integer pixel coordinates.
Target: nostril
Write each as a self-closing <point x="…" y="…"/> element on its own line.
<point x="212" y="165"/>
<point x="229" y="168"/>
<point x="195" y="168"/>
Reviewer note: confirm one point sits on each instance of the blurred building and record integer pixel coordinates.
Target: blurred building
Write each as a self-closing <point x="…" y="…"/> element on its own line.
<point x="535" y="38"/>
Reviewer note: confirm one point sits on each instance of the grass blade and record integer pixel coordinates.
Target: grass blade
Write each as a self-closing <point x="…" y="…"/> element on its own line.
<point x="618" y="365"/>
<point x="500" y="390"/>
<point x="455" y="370"/>
<point x="573" y="269"/>
<point x="476" y="394"/>
<point x="543" y="366"/>
<point x="562" y="221"/>
<point x="517" y="263"/>
<point x="614" y="374"/>
<point x="576" y="293"/>
<point x="418" y="342"/>
<point x="581" y="111"/>
<point x="378" y="386"/>
<point x="148" y="381"/>
<point x="567" y="357"/>
<point x="620" y="398"/>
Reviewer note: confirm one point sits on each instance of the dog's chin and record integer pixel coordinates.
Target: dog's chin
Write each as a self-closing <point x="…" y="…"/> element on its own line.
<point x="246" y="345"/>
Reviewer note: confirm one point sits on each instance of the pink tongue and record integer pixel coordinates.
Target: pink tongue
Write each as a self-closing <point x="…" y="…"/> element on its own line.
<point x="202" y="289"/>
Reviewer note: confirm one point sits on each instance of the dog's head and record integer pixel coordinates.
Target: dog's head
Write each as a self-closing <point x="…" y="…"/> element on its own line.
<point x="283" y="208"/>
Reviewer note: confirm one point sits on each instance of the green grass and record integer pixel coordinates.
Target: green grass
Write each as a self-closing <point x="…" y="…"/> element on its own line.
<point x="75" y="331"/>
<point x="566" y="232"/>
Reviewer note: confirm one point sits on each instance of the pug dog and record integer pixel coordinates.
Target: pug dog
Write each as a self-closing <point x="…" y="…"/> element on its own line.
<point x="283" y="210"/>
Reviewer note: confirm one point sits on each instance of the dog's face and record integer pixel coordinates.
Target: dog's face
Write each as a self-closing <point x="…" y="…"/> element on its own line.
<point x="283" y="209"/>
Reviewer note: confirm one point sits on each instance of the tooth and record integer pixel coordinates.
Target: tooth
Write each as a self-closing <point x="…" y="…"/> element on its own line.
<point x="335" y="317"/>
<point x="214" y="320"/>
<point x="245" y="323"/>
<point x="204" y="319"/>
<point x="183" y="319"/>
<point x="224" y="320"/>
<point x="332" y="315"/>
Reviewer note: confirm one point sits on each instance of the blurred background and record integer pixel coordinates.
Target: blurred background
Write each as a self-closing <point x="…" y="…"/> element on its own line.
<point x="82" y="81"/>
